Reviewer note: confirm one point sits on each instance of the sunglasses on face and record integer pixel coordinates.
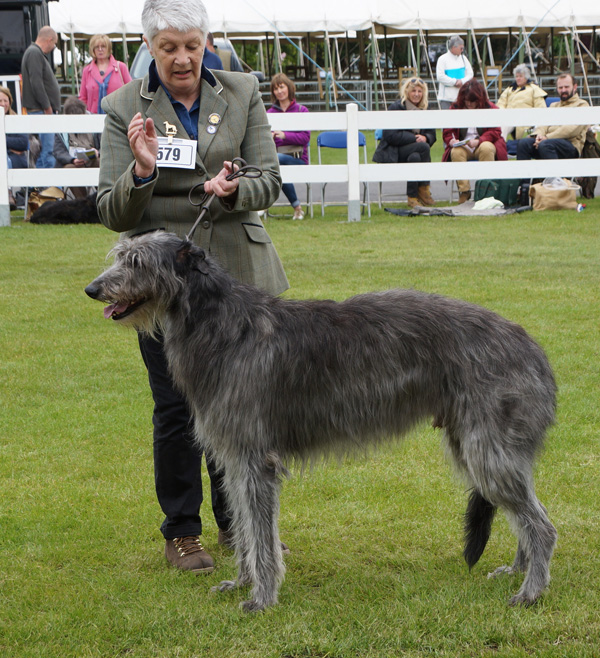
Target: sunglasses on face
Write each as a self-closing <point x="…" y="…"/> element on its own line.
<point x="414" y="81"/>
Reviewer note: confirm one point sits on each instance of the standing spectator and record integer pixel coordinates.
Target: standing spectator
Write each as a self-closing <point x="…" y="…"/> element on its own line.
<point x="101" y="76"/>
<point x="66" y="143"/>
<point x="557" y="142"/>
<point x="522" y="93"/>
<point x="41" y="93"/>
<point x="211" y="59"/>
<point x="452" y="70"/>
<point x="292" y="145"/>
<point x="409" y="145"/>
<point x="483" y="144"/>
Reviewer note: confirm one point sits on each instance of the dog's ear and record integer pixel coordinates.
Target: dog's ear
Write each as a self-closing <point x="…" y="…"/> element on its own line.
<point x="192" y="257"/>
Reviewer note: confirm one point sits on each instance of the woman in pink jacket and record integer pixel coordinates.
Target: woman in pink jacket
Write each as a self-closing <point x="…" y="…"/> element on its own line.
<point x="103" y="75"/>
<point x="292" y="145"/>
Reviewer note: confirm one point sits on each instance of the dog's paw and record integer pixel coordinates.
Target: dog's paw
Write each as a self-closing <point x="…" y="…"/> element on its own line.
<point x="523" y="600"/>
<point x="502" y="571"/>
<point x="252" y="606"/>
<point x="224" y="586"/>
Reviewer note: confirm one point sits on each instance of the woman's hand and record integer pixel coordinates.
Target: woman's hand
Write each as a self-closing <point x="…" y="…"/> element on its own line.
<point x="219" y="185"/>
<point x="473" y="143"/>
<point x="279" y="134"/>
<point x="420" y="138"/>
<point x="453" y="141"/>
<point x="144" y="145"/>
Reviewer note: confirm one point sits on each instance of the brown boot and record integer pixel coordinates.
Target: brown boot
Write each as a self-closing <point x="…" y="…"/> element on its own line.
<point x="413" y="202"/>
<point x="464" y="196"/>
<point x="424" y="196"/>
<point x="226" y="539"/>
<point x="187" y="553"/>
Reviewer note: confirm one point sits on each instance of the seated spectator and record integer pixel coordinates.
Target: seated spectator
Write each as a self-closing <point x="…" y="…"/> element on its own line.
<point x="409" y="145"/>
<point x="292" y="145"/>
<point x="66" y="144"/>
<point x="17" y="144"/>
<point x="483" y="144"/>
<point x="557" y="142"/>
<point x="103" y="75"/>
<point x="452" y="70"/>
<point x="522" y="93"/>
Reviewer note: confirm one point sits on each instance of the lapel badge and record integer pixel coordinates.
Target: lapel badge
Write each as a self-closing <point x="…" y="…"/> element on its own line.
<point x="170" y="131"/>
<point x="214" y="120"/>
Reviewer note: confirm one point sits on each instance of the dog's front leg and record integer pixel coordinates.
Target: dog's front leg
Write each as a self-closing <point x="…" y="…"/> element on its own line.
<point x="253" y="494"/>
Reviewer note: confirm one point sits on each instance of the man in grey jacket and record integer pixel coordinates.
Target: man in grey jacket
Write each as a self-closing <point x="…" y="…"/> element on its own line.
<point x="41" y="93"/>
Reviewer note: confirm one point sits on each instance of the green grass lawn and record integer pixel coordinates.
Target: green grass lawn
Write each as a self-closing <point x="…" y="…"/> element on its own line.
<point x="376" y="568"/>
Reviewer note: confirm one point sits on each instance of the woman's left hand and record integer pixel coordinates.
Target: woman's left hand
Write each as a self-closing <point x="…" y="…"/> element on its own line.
<point x="420" y="138"/>
<point x="279" y="134"/>
<point x="473" y="143"/>
<point x="219" y="185"/>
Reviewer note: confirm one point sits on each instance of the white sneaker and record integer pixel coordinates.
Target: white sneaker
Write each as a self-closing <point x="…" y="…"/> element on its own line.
<point x="298" y="213"/>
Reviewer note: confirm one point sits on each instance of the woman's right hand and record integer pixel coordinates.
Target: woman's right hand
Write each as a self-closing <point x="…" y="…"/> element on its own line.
<point x="144" y="145"/>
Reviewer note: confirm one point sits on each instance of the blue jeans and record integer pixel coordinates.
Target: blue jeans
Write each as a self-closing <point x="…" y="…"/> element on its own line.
<point x="548" y="149"/>
<point x="288" y="188"/>
<point x="45" y="159"/>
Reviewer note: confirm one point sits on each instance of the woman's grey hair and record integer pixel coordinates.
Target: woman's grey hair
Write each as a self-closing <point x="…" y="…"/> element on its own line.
<point x="180" y="15"/>
<point x="455" y="40"/>
<point x="523" y="70"/>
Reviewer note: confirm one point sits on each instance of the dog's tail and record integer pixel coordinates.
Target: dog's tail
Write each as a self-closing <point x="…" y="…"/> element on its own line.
<point x="478" y="526"/>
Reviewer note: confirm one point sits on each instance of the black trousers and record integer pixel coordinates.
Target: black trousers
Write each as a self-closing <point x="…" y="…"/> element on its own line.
<point x="177" y="458"/>
<point x="547" y="149"/>
<point x="415" y="152"/>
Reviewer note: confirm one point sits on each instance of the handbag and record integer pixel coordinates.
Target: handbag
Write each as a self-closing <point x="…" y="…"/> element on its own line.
<point x="546" y="197"/>
<point x="502" y="189"/>
<point x="38" y="198"/>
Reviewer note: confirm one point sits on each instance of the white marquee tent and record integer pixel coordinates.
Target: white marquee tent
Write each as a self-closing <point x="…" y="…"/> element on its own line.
<point x="260" y="16"/>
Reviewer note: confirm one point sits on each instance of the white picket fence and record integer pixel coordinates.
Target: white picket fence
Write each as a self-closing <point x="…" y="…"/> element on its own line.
<point x="353" y="173"/>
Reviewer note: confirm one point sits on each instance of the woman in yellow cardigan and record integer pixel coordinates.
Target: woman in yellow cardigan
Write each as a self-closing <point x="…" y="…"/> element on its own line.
<point x="522" y="93"/>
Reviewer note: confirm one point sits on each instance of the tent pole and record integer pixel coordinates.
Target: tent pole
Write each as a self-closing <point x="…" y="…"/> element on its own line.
<point x="585" y="78"/>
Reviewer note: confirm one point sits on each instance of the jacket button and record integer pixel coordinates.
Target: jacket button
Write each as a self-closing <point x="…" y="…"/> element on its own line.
<point x="206" y="223"/>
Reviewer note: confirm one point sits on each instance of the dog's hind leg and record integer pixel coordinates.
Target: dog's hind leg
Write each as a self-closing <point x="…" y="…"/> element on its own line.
<point x="253" y="492"/>
<point x="505" y="479"/>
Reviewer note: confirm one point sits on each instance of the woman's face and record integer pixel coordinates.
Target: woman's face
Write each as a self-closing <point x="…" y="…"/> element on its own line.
<point x="100" y="51"/>
<point x="281" y="92"/>
<point x="471" y="105"/>
<point x="178" y="57"/>
<point x="4" y="102"/>
<point x="415" y="95"/>
<point x="520" y="79"/>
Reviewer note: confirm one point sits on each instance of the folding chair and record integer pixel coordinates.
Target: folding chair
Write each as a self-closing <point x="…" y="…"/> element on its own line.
<point x="297" y="153"/>
<point x="338" y="139"/>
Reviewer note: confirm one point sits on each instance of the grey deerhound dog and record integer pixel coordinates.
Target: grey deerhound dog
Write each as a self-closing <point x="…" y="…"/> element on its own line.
<point x="272" y="380"/>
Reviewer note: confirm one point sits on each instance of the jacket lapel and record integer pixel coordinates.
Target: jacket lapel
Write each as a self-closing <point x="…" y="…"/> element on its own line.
<point x="211" y="102"/>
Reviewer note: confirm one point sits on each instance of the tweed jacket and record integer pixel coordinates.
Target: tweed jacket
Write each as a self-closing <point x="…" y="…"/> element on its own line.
<point x="232" y="233"/>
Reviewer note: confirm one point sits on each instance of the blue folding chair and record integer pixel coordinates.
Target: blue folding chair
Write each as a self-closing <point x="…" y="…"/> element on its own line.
<point x="338" y="139"/>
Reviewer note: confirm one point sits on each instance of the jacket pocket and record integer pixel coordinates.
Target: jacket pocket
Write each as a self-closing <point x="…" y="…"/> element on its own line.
<point x="256" y="233"/>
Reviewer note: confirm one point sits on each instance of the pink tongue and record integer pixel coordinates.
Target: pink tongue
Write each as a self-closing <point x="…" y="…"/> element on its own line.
<point x="111" y="309"/>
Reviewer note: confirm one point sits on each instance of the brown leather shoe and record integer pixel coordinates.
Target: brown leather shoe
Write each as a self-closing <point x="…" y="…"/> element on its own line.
<point x="464" y="196"/>
<point x="225" y="538"/>
<point x="412" y="201"/>
<point x="424" y="196"/>
<point x="187" y="553"/>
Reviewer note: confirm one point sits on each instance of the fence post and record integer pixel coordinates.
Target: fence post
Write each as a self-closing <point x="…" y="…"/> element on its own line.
<point x="353" y="161"/>
<point x="4" y="204"/>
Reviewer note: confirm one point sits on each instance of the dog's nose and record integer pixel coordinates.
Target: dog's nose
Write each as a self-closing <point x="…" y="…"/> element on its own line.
<point x="93" y="290"/>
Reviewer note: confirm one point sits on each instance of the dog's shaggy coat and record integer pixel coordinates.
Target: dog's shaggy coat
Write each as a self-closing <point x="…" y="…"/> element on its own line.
<point x="271" y="380"/>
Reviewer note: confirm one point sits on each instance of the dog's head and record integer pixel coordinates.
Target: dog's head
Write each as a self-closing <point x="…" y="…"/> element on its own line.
<point x="147" y="278"/>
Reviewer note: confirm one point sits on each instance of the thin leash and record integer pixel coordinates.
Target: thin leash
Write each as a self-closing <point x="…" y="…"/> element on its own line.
<point x="205" y="199"/>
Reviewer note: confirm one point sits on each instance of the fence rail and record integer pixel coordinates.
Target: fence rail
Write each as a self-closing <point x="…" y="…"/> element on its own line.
<point x="353" y="172"/>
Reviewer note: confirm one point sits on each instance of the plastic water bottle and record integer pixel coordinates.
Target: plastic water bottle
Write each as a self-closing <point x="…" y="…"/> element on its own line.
<point x="580" y="207"/>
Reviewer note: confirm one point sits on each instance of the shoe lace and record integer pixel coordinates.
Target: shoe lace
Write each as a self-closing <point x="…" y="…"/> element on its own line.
<point x="188" y="545"/>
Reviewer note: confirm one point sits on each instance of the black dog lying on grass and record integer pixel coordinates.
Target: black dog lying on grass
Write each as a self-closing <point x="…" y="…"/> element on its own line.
<point x="76" y="211"/>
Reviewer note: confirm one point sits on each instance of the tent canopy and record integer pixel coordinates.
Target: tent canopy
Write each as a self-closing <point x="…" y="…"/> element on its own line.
<point x="260" y="16"/>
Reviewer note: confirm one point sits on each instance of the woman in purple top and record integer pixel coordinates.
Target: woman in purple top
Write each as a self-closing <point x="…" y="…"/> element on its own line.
<point x="292" y="146"/>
